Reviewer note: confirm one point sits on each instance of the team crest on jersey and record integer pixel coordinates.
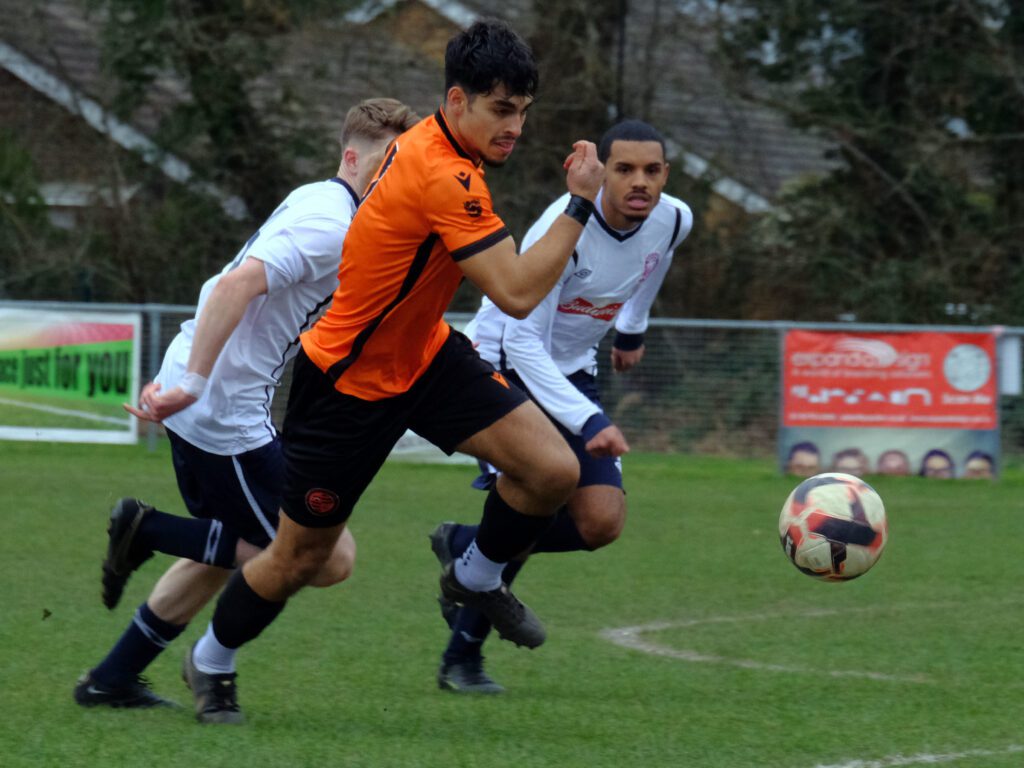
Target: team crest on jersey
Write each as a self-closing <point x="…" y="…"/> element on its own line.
<point x="463" y="177"/>
<point x="580" y="306"/>
<point x="650" y="262"/>
<point x="473" y="208"/>
<point x="320" y="501"/>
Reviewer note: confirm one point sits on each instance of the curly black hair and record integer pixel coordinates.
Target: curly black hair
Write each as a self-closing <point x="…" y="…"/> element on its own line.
<point x="488" y="54"/>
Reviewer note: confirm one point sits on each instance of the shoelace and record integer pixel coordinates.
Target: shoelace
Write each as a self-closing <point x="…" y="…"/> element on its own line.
<point x="503" y="596"/>
<point x="226" y="694"/>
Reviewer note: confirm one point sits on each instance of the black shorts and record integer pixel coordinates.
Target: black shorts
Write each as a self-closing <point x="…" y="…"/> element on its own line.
<point x="241" y="491"/>
<point x="334" y="444"/>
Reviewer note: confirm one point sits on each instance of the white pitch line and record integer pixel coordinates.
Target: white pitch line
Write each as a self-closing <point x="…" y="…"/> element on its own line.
<point x="67" y="412"/>
<point x="631" y="637"/>
<point x="925" y="759"/>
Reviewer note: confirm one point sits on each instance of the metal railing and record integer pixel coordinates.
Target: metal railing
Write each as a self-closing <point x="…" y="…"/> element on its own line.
<point x="704" y="386"/>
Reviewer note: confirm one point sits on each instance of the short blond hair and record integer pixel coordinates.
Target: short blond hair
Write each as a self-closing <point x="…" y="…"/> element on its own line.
<point x="376" y="119"/>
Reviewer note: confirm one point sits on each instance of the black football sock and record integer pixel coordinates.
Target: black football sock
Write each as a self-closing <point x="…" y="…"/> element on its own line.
<point x="204" y="541"/>
<point x="143" y="640"/>
<point x="241" y="614"/>
<point x="468" y="634"/>
<point x="561" y="536"/>
<point x="505" y="532"/>
<point x="461" y="538"/>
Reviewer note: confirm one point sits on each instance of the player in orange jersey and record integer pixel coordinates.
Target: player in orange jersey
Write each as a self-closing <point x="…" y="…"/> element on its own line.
<point x="382" y="360"/>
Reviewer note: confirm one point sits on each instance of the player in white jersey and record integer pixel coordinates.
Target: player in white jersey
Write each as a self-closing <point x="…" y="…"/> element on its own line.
<point x="613" y="278"/>
<point x="213" y="394"/>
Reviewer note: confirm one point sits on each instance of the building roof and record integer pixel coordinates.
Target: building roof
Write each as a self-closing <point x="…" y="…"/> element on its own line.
<point x="748" y="150"/>
<point x="54" y="50"/>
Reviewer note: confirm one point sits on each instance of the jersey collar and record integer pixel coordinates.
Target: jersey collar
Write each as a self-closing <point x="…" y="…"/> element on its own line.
<point x="620" y="236"/>
<point x="442" y="121"/>
<point x="345" y="184"/>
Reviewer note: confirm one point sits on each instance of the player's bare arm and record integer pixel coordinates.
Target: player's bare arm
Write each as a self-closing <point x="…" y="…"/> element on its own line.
<point x="517" y="283"/>
<point x="218" y="320"/>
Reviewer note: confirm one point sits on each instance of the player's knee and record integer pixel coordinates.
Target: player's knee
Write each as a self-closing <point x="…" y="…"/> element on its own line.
<point x="547" y="473"/>
<point x="600" y="533"/>
<point x="334" y="571"/>
<point x="555" y="477"/>
<point x="300" y="565"/>
<point x="310" y="562"/>
<point x="600" y="526"/>
<point x="339" y="565"/>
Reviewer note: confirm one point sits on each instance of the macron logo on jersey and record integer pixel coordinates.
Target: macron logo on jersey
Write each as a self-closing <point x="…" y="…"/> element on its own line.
<point x="580" y="306"/>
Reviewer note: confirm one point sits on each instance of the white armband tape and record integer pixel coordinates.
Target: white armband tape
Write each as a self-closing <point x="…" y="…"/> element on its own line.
<point x="193" y="384"/>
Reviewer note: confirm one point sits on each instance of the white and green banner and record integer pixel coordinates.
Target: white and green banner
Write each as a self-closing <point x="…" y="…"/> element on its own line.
<point x="64" y="375"/>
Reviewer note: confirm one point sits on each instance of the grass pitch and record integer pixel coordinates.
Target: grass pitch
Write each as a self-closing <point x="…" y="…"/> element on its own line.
<point x="20" y="409"/>
<point x="742" y="663"/>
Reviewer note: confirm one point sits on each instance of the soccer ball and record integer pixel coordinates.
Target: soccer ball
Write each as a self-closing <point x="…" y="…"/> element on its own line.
<point x="833" y="527"/>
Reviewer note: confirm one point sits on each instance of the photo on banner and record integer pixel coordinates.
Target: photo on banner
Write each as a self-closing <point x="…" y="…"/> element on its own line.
<point x="64" y="375"/>
<point x="923" y="403"/>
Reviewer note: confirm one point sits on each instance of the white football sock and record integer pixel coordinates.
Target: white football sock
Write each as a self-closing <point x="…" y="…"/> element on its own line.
<point x="476" y="571"/>
<point x="211" y="657"/>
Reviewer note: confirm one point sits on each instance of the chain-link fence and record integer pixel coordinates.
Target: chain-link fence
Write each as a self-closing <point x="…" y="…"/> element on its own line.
<point x="704" y="386"/>
<point x="713" y="387"/>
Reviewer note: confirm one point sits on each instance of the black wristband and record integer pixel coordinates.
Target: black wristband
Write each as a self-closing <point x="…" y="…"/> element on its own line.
<point x="579" y="208"/>
<point x="627" y="342"/>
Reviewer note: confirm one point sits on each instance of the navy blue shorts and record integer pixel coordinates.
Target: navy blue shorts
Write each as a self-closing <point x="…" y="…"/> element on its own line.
<point x="241" y="491"/>
<point x="334" y="444"/>
<point x="593" y="471"/>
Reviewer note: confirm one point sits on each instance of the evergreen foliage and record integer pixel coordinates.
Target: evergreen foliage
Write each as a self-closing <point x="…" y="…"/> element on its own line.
<point x="924" y="102"/>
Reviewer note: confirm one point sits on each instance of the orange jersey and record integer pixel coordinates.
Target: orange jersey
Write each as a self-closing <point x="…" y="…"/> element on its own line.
<point x="427" y="209"/>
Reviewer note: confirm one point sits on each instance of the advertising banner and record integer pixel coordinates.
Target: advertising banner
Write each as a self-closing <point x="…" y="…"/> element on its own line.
<point x="64" y="375"/>
<point x="892" y="403"/>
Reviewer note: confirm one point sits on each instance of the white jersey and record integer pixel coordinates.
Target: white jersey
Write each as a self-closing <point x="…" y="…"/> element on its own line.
<point x="612" y="276"/>
<point x="300" y="247"/>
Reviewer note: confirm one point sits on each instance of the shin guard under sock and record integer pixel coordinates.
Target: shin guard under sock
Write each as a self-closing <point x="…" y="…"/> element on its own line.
<point x="505" y="532"/>
<point x="562" y="535"/>
<point x="143" y="640"/>
<point x="204" y="541"/>
<point x="241" y="614"/>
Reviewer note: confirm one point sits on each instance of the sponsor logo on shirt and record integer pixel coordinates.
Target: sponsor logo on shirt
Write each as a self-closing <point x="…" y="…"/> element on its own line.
<point x="580" y="306"/>
<point x="583" y="274"/>
<point x="463" y="177"/>
<point x="473" y="208"/>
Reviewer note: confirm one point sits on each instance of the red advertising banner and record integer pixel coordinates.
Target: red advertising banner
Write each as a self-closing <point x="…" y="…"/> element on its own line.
<point x="904" y="380"/>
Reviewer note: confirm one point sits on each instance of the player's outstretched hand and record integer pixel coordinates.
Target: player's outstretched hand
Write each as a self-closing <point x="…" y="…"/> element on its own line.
<point x="155" y="407"/>
<point x="608" y="442"/>
<point x="623" y="360"/>
<point x="585" y="173"/>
